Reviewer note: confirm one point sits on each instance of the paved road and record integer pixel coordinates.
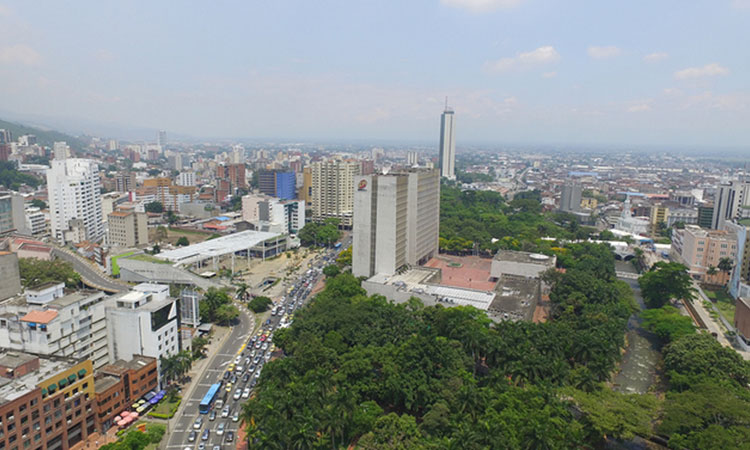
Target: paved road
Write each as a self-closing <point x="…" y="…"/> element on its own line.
<point x="183" y="424"/>
<point x="89" y="275"/>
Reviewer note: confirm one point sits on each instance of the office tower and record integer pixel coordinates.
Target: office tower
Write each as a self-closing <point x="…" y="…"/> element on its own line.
<point x="705" y="215"/>
<point x="278" y="184"/>
<point x="61" y="150"/>
<point x="729" y="201"/>
<point x="12" y="213"/>
<point x="412" y="159"/>
<point x="75" y="194"/>
<point x="333" y="190"/>
<point x="127" y="229"/>
<point x="368" y="167"/>
<point x="448" y="144"/>
<point x="161" y="138"/>
<point x="170" y="195"/>
<point x="570" y="198"/>
<point x="112" y="145"/>
<point x="306" y="192"/>
<point x="238" y="154"/>
<point x="5" y="136"/>
<point x="288" y="215"/>
<point x="396" y="221"/>
<point x="186" y="179"/>
<point x="125" y="182"/>
<point x="234" y="173"/>
<point x="174" y="161"/>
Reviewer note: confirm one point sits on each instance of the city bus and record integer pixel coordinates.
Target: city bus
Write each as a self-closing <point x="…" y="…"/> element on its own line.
<point x="209" y="398"/>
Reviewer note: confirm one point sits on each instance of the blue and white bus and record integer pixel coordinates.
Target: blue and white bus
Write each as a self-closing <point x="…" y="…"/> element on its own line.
<point x="208" y="399"/>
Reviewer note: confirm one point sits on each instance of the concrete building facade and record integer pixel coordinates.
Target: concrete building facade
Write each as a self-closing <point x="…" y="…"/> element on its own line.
<point x="75" y="194"/>
<point x="447" y="144"/>
<point x="333" y="190"/>
<point x="127" y="229"/>
<point x="396" y="221"/>
<point x="701" y="249"/>
<point x="570" y="198"/>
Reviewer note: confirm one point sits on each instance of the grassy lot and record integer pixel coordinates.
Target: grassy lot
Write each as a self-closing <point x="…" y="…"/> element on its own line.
<point x="149" y="258"/>
<point x="115" y="267"/>
<point x="173" y="234"/>
<point x="164" y="407"/>
<point x="723" y="302"/>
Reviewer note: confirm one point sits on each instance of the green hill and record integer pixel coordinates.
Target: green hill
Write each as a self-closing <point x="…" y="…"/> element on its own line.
<point x="44" y="137"/>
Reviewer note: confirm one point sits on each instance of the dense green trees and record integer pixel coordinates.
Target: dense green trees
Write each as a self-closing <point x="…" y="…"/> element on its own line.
<point x="182" y="242"/>
<point x="325" y="233"/>
<point x="664" y="282"/>
<point x="409" y="376"/>
<point x="12" y="178"/>
<point x="35" y="272"/>
<point x="217" y="307"/>
<point x="668" y="323"/>
<point x="484" y="219"/>
<point x="154" y="207"/>
<point x="260" y="304"/>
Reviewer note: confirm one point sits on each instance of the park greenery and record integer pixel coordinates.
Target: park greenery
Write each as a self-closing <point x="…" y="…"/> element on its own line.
<point x="484" y="221"/>
<point x="154" y="207"/>
<point x="665" y="282"/>
<point x="260" y="304"/>
<point x="138" y="440"/>
<point x="314" y="233"/>
<point x="345" y="258"/>
<point x="36" y="272"/>
<point x="217" y="307"/>
<point x="182" y="241"/>
<point x="12" y="178"/>
<point x="331" y="270"/>
<point x="667" y="322"/>
<point x="362" y="370"/>
<point x="176" y="366"/>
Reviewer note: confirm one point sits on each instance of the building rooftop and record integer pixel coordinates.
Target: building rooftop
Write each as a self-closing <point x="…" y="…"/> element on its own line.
<point x="525" y="257"/>
<point x="43" y="317"/>
<point x="74" y="297"/>
<point x="20" y="386"/>
<point x="105" y="382"/>
<point x="216" y="247"/>
<point x="517" y="297"/>
<point x="15" y="359"/>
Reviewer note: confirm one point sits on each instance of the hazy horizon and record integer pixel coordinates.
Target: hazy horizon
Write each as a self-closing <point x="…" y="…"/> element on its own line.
<point x="517" y="72"/>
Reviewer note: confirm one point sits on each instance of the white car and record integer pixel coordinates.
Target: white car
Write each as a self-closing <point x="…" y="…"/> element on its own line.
<point x="246" y="393"/>
<point x="238" y="359"/>
<point x="225" y="412"/>
<point x="220" y="428"/>
<point x="198" y="423"/>
<point x="237" y="394"/>
<point x="264" y="346"/>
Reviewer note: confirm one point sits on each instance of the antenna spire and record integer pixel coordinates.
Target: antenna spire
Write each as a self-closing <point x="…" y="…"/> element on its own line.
<point x="446" y="103"/>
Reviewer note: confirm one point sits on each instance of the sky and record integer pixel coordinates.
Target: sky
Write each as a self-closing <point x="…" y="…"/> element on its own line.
<point x="662" y="73"/>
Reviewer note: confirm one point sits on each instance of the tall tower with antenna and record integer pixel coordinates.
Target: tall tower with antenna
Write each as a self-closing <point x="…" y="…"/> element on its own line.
<point x="448" y="143"/>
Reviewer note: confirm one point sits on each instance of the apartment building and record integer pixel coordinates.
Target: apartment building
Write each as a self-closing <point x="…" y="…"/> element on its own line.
<point x="396" y="221"/>
<point x="127" y="229"/>
<point x="289" y="215"/>
<point x="120" y="384"/>
<point x="333" y="190"/>
<point x="700" y="250"/>
<point x="162" y="190"/>
<point x="45" y="403"/>
<point x="75" y="195"/>
<point x="52" y="321"/>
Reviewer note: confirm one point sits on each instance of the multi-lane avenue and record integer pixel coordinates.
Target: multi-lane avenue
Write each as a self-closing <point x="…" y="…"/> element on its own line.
<point x="237" y="365"/>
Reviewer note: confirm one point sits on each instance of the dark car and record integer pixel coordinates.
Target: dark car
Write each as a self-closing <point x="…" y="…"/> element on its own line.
<point x="206" y="434"/>
<point x="227" y="375"/>
<point x="191" y="437"/>
<point x="246" y="377"/>
<point x="230" y="436"/>
<point x="234" y="379"/>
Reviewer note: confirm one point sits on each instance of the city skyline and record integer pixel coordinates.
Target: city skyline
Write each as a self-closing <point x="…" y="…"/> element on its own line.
<point x="516" y="71"/>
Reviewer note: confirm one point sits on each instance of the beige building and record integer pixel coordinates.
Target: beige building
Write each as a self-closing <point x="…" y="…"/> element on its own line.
<point x="396" y="221"/>
<point x="127" y="229"/>
<point x="701" y="249"/>
<point x="333" y="190"/>
<point x="306" y="192"/>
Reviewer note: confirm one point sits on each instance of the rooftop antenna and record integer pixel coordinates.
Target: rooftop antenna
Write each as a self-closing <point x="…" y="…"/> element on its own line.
<point x="446" y="103"/>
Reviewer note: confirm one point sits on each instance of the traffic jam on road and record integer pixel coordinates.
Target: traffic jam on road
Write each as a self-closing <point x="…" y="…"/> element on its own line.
<point x="219" y="411"/>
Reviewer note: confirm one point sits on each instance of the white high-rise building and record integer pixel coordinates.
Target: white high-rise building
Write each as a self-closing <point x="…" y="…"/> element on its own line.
<point x="448" y="144"/>
<point x="61" y="150"/>
<point x="238" y="154"/>
<point x="396" y="221"/>
<point x="729" y="202"/>
<point x="333" y="190"/>
<point x="161" y="138"/>
<point x="75" y="193"/>
<point x="186" y="179"/>
<point x="412" y="158"/>
<point x="262" y="210"/>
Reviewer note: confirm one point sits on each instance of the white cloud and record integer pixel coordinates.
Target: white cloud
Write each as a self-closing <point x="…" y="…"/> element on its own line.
<point x="479" y="6"/>
<point x="741" y="4"/>
<point x="19" y="54"/>
<point x="552" y="74"/>
<point x="656" y="56"/>
<point x="709" y="70"/>
<point x="540" y="56"/>
<point x="639" y="107"/>
<point x="609" y="51"/>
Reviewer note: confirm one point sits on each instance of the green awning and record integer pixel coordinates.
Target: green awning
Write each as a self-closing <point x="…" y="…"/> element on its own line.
<point x="44" y="391"/>
<point x="81" y="373"/>
<point x="72" y="378"/>
<point x="52" y="388"/>
<point x="63" y="382"/>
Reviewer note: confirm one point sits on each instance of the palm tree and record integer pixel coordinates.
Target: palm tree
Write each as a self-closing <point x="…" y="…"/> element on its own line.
<point x="241" y="291"/>
<point x="711" y="270"/>
<point x="726" y="264"/>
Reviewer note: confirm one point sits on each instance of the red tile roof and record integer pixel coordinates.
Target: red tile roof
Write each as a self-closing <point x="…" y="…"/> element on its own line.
<point x="40" y="316"/>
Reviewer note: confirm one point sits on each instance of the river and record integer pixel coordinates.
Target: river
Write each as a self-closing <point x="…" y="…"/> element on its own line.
<point x="638" y="369"/>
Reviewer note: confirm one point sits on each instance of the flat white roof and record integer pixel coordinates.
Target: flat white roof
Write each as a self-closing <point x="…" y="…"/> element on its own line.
<point x="217" y="247"/>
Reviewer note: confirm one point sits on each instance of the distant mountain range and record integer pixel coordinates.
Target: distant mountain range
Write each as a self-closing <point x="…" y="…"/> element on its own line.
<point x="44" y="136"/>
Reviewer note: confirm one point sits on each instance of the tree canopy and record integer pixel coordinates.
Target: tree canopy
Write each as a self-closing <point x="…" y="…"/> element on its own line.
<point x="407" y="376"/>
<point x="314" y="233"/>
<point x="259" y="304"/>
<point x="154" y="207"/>
<point x="35" y="272"/>
<point x="12" y="178"/>
<point x="668" y="323"/>
<point x="664" y="282"/>
<point x="217" y="307"/>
